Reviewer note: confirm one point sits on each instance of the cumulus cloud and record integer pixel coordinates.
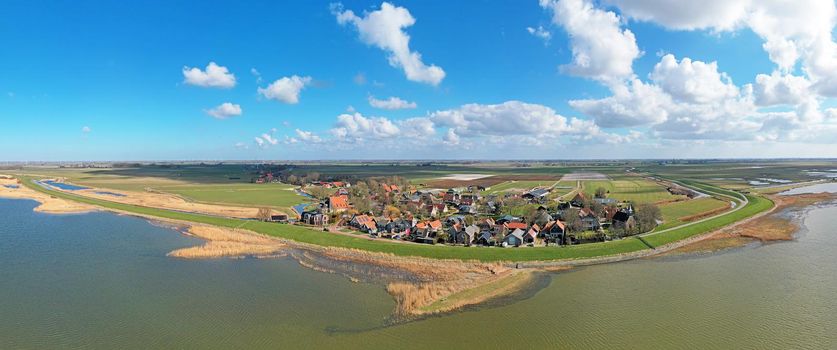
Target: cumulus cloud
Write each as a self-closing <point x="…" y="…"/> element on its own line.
<point x="384" y="28"/>
<point x="781" y="89"/>
<point x="540" y="32"/>
<point x="692" y="81"/>
<point x="391" y="103"/>
<point x="792" y="31"/>
<point x="602" y="50"/>
<point x="356" y="127"/>
<point x="286" y="89"/>
<point x="225" y="110"/>
<point x="308" y="136"/>
<point x="634" y="104"/>
<point x="213" y="76"/>
<point x="265" y="140"/>
<point x="509" y="118"/>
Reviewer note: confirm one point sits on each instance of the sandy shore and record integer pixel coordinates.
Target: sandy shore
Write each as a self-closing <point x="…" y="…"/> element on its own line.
<point x="775" y="226"/>
<point x="223" y="242"/>
<point x="48" y="204"/>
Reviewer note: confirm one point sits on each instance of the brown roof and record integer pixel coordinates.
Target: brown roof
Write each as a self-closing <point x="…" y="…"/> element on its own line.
<point x="338" y="202"/>
<point x="363" y="219"/>
<point x="515" y="225"/>
<point x="387" y="188"/>
<point x="435" y="224"/>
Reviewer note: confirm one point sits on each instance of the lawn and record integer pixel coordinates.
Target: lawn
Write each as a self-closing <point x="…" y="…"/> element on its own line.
<point x="306" y="235"/>
<point x="636" y="190"/>
<point x="273" y="194"/>
<point x="672" y="212"/>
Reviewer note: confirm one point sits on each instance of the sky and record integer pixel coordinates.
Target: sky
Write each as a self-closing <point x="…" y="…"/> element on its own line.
<point x="321" y="80"/>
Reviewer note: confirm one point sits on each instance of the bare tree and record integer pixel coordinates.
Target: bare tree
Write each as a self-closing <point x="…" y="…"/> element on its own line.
<point x="264" y="214"/>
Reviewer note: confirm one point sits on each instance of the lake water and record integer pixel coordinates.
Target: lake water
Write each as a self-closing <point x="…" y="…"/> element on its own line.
<point x="103" y="281"/>
<point x="65" y="186"/>
<point x="830" y="187"/>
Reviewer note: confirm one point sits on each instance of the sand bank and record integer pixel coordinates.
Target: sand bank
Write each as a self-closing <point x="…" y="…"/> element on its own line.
<point x="222" y="242"/>
<point x="775" y="226"/>
<point x="48" y="204"/>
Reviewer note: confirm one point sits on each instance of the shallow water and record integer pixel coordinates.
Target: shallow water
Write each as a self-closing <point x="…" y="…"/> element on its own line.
<point x="65" y="186"/>
<point x="103" y="281"/>
<point x="830" y="187"/>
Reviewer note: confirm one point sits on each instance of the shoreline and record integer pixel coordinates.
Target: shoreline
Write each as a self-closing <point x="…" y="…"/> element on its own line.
<point x="420" y="286"/>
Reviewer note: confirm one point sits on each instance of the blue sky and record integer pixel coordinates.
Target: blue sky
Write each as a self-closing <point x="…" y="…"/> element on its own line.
<point x="104" y="80"/>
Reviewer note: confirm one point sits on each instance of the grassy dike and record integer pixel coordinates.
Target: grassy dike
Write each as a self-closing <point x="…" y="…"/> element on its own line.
<point x="308" y="235"/>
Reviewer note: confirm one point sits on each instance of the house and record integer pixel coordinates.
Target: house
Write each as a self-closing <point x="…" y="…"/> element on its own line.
<point x="605" y="201"/>
<point x="578" y="200"/>
<point x="486" y="224"/>
<point x="315" y="218"/>
<point x="455" y="219"/>
<point x="554" y="231"/>
<point x="452" y="196"/>
<point x="537" y="195"/>
<point x="531" y="234"/>
<point x="623" y="221"/>
<point x="486" y="238"/>
<point x="589" y="220"/>
<point x="386" y="188"/>
<point x="514" y="238"/>
<point x="364" y="223"/>
<point x="467" y="209"/>
<point x="427" y="228"/>
<point x="511" y="226"/>
<point x="279" y="218"/>
<point x="507" y="218"/>
<point x="336" y="204"/>
<point x="436" y="210"/>
<point x="467" y="235"/>
<point x="398" y="225"/>
<point x="453" y="231"/>
<point x="342" y="192"/>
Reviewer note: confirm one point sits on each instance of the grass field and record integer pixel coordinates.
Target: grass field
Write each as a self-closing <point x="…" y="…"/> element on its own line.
<point x="272" y="195"/>
<point x="306" y="235"/>
<point x="672" y="212"/>
<point x="637" y="190"/>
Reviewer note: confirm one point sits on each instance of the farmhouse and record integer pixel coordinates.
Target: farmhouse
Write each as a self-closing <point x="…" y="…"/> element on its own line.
<point x="336" y="204"/>
<point x="514" y="238"/>
<point x="315" y="218"/>
<point x="364" y="223"/>
<point x="537" y="195"/>
<point x="578" y="200"/>
<point x="589" y="220"/>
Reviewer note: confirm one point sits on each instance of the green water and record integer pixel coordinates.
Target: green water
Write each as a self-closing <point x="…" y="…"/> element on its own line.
<point x="103" y="281"/>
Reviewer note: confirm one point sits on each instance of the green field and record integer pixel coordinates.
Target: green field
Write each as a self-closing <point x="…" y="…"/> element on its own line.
<point x="673" y="211"/>
<point x="636" y="190"/>
<point x="306" y="235"/>
<point x="271" y="195"/>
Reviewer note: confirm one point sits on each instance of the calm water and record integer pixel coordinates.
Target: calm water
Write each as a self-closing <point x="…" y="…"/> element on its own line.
<point x="830" y="187"/>
<point x="103" y="281"/>
<point x="65" y="186"/>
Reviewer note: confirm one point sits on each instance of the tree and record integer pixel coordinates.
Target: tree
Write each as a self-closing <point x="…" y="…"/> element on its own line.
<point x="601" y="192"/>
<point x="362" y="204"/>
<point x="392" y="211"/>
<point x="318" y="192"/>
<point x="293" y="180"/>
<point x="647" y="215"/>
<point x="571" y="220"/>
<point x="264" y="214"/>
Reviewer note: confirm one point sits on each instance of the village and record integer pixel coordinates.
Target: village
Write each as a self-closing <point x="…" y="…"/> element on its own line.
<point x="472" y="215"/>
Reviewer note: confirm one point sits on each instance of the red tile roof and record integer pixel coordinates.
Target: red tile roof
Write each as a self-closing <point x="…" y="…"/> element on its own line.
<point x="515" y="225"/>
<point x="338" y="202"/>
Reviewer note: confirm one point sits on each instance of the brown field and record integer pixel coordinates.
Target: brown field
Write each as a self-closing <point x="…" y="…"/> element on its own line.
<point x="489" y="181"/>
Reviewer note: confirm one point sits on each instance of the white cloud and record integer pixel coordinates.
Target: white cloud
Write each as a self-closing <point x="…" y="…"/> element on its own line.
<point x="355" y="127"/>
<point x="384" y="28"/>
<point x="308" y="136"/>
<point x="602" y="50"/>
<point x="286" y="89"/>
<point x="779" y="89"/>
<point x="213" y="76"/>
<point x="266" y="140"/>
<point x="451" y="138"/>
<point x="255" y="72"/>
<point x="540" y="32"/>
<point x="632" y="105"/>
<point x="792" y="31"/>
<point x="692" y="81"/>
<point x="225" y="110"/>
<point x="241" y="145"/>
<point x="391" y="103"/>
<point x="510" y="118"/>
<point x="86" y="129"/>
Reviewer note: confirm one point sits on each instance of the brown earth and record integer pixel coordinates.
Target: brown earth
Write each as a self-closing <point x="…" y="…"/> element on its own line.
<point x="489" y="181"/>
<point x="776" y="226"/>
